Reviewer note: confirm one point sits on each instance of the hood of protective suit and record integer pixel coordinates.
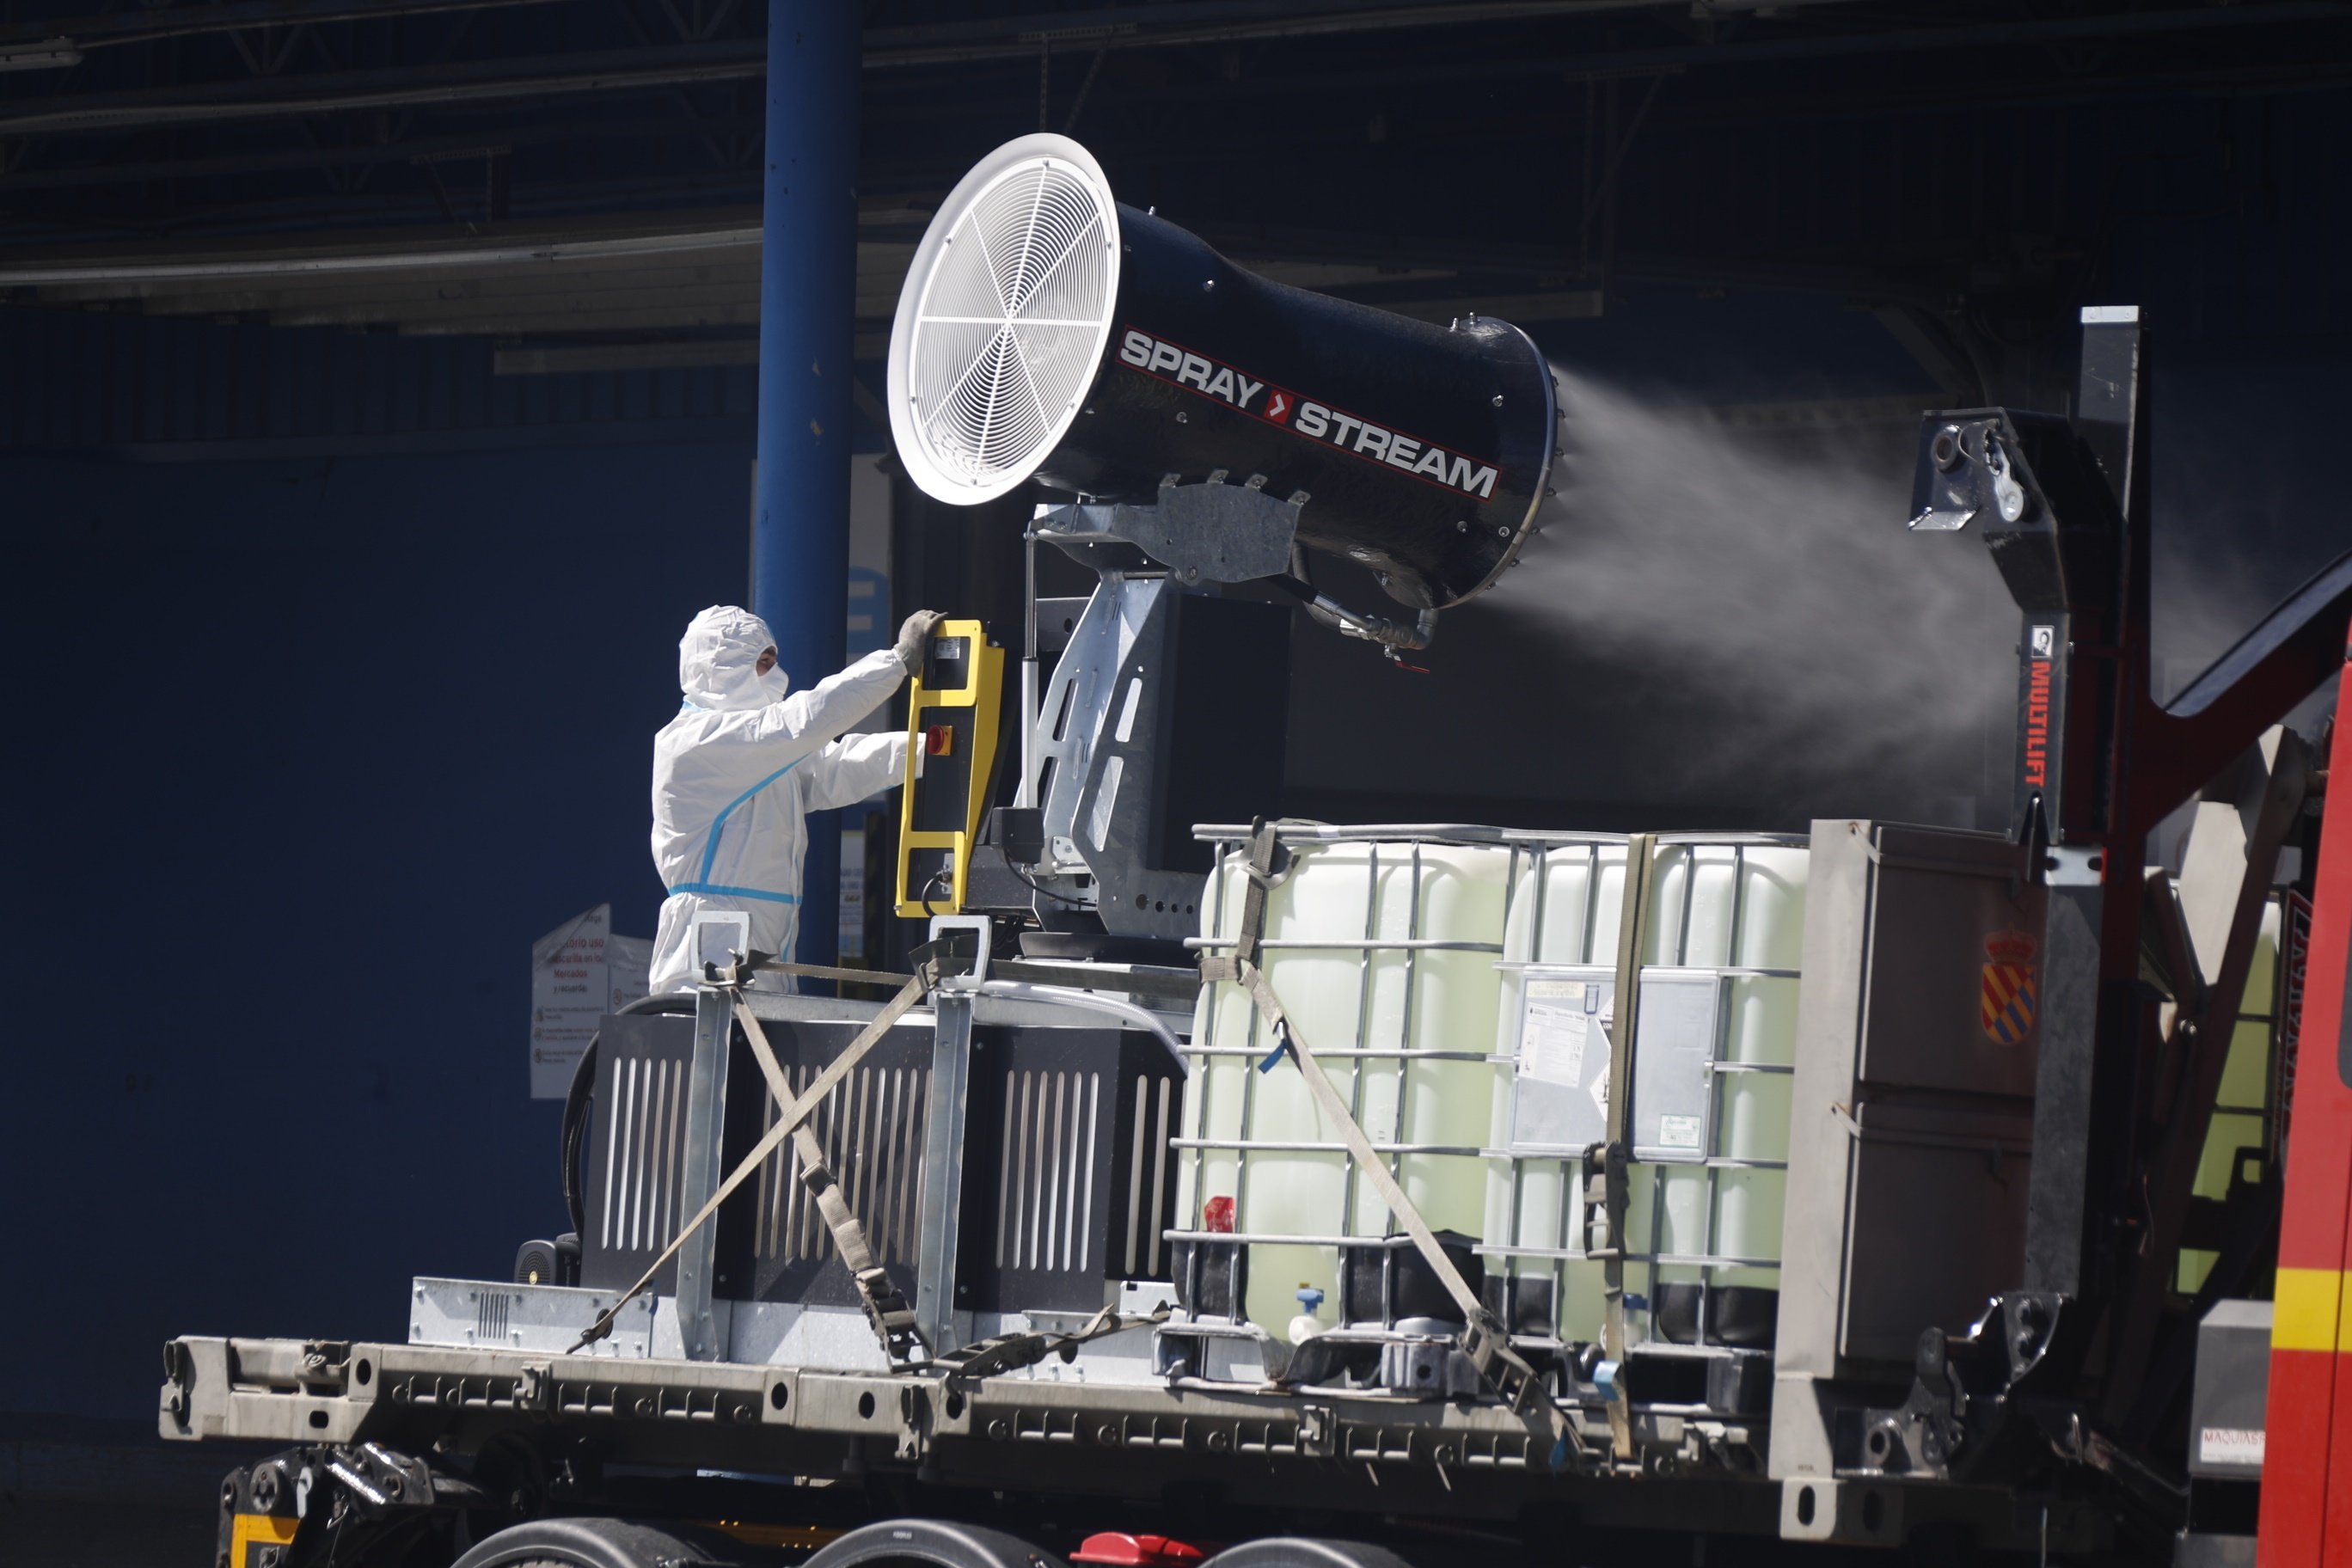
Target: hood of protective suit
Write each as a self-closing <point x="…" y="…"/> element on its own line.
<point x="719" y="661"/>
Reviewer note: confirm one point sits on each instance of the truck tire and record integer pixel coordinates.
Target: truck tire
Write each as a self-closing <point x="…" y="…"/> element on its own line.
<point x="1296" y="1552"/>
<point x="596" y="1543"/>
<point x="929" y="1543"/>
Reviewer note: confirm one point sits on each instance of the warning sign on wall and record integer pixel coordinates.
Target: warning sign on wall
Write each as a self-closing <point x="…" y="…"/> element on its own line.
<point x="579" y="971"/>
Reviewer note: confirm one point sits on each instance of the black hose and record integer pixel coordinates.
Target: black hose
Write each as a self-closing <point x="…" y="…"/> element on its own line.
<point x="582" y="1095"/>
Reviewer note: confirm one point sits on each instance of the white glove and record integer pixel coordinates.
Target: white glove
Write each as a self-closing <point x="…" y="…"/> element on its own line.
<point x="914" y="637"/>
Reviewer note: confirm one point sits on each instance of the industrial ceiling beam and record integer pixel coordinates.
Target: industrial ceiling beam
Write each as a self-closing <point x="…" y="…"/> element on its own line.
<point x="146" y="24"/>
<point x="454" y="149"/>
<point x="1228" y="22"/>
<point x="1134" y="27"/>
<point x="404" y="291"/>
<point x="441" y="255"/>
<point x="592" y="309"/>
<point x="690" y="354"/>
<point x="499" y="80"/>
<point x="2251" y="80"/>
<point x="650" y="318"/>
<point x="493" y="80"/>
<point x="1764" y="51"/>
<point x="396" y="87"/>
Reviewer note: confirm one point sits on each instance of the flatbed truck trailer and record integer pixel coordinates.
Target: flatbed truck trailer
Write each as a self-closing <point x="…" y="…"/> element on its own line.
<point x="994" y="1304"/>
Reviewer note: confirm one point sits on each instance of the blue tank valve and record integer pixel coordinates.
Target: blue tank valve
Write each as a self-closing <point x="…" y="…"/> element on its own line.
<point x="1306" y="1325"/>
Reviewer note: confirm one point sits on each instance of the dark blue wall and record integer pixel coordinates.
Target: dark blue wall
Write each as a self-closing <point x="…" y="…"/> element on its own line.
<point x="306" y="751"/>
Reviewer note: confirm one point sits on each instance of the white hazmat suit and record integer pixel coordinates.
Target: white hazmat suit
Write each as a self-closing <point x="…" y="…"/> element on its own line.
<point x="739" y="768"/>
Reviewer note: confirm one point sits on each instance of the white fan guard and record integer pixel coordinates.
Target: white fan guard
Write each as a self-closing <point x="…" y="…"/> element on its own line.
<point x="1003" y="318"/>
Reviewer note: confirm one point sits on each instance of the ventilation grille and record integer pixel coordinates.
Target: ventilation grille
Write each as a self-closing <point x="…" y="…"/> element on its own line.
<point x="1150" y="1161"/>
<point x="871" y="1129"/>
<point x="1003" y="320"/>
<point x="1046" y="1198"/>
<point x="642" y="1134"/>
<point x="492" y="1316"/>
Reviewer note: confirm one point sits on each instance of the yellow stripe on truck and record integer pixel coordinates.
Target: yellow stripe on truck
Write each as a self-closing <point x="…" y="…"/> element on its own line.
<point x="2309" y="1311"/>
<point x="249" y="1530"/>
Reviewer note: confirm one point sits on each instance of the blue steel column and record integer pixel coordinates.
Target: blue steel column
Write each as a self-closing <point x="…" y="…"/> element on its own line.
<point x="808" y="276"/>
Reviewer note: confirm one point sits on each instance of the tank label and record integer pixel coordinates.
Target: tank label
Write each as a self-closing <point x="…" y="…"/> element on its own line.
<point x="1678" y="1132"/>
<point x="1303" y="416"/>
<point x="1551" y="1043"/>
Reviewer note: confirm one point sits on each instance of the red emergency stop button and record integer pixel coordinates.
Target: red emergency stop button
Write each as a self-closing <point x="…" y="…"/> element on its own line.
<point x="1119" y="1550"/>
<point x="938" y="739"/>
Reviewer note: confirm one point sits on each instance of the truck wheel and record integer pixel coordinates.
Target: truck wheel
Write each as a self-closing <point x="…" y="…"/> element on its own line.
<point x="1295" y="1551"/>
<point x="928" y="1544"/>
<point x="596" y="1543"/>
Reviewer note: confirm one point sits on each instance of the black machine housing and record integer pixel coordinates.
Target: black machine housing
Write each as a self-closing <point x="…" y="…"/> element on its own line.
<point x="1424" y="452"/>
<point x="1068" y="1180"/>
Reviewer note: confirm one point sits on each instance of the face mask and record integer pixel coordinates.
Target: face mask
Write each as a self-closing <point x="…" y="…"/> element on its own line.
<point x="775" y="684"/>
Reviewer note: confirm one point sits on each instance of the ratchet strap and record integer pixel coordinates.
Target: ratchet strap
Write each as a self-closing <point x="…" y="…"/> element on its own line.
<point x="1176" y="985"/>
<point x="1633" y="940"/>
<point x="1160" y="982"/>
<point x="792" y="1115"/>
<point x="1483" y="1339"/>
<point x="827" y="971"/>
<point x="1010" y="1352"/>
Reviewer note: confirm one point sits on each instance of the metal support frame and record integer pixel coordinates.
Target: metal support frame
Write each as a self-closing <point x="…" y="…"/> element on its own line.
<point x="943" y="1147"/>
<point x="945" y="1113"/>
<point x="1213" y="533"/>
<point x="706" y="1116"/>
<point x="2254" y="814"/>
<point x="2063" y="511"/>
<point x="2065" y="1092"/>
<point x="1098" y="764"/>
<point x="2295" y="650"/>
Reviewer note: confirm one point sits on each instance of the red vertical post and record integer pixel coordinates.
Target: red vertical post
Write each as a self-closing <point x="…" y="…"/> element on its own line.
<point x="2307" y="1518"/>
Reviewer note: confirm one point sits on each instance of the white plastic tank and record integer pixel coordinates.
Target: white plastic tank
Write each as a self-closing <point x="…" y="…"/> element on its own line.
<point x="1725" y="940"/>
<point x="1382" y="944"/>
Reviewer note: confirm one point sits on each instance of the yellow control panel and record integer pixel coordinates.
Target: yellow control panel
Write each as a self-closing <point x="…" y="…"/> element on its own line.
<point x="952" y="709"/>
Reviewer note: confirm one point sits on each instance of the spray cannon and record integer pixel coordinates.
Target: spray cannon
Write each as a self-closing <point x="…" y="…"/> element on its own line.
<point x="1200" y="426"/>
<point x="1212" y="420"/>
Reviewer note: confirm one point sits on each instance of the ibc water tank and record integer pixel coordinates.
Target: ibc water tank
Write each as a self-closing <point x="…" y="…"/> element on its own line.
<point x="1725" y="937"/>
<point x="1382" y="943"/>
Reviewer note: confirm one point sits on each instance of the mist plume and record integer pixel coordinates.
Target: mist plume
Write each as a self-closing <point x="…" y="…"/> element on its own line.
<point x="1764" y="575"/>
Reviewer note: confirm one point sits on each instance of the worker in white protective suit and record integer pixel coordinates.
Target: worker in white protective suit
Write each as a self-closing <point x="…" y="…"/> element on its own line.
<point x="741" y="767"/>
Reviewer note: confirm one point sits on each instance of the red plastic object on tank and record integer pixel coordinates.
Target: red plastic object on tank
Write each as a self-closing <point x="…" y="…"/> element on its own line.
<point x="1119" y="1550"/>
